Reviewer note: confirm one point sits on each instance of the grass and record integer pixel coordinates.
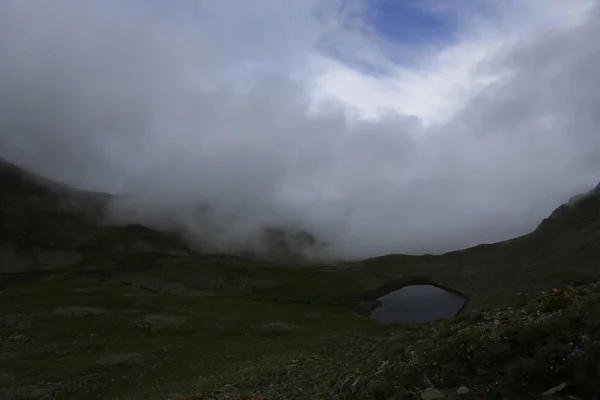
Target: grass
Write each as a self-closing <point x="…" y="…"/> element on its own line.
<point x="280" y="345"/>
<point x="219" y="335"/>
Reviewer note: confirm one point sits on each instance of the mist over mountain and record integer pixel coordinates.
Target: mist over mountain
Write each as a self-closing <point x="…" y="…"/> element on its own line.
<point x="225" y="120"/>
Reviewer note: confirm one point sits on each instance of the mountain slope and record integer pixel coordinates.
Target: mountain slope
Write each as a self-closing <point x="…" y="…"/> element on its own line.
<point x="565" y="248"/>
<point x="126" y="312"/>
<point x="46" y="225"/>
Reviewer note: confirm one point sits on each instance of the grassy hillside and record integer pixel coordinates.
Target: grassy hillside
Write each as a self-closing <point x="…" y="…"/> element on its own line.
<point x="89" y="311"/>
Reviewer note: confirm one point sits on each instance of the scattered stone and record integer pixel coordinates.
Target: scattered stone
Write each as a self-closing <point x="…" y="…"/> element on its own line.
<point x="382" y="368"/>
<point x="427" y="381"/>
<point x="40" y="392"/>
<point x="462" y="390"/>
<point x="18" y="338"/>
<point x="79" y="311"/>
<point x="554" y="390"/>
<point x="16" y="321"/>
<point x="357" y="385"/>
<point x="432" y="394"/>
<point x="346" y="385"/>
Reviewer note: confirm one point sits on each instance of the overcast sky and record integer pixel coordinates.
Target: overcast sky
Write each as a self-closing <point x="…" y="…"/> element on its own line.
<point x="380" y="126"/>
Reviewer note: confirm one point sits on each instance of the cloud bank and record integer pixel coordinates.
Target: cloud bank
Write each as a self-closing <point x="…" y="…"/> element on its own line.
<point x="222" y="118"/>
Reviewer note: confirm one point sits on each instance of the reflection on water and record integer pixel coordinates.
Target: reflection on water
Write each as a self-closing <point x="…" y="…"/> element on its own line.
<point x="417" y="303"/>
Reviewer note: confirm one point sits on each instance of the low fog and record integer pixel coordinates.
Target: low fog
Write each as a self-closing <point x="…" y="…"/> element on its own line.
<point x="223" y="118"/>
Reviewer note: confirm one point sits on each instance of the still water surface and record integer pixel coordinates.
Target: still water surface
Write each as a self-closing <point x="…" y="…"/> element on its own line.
<point x="417" y="303"/>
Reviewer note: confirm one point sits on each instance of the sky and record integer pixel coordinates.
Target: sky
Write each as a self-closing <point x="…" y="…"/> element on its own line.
<point x="379" y="126"/>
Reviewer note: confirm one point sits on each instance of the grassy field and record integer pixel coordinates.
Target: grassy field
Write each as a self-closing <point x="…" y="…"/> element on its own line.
<point x="78" y="335"/>
<point x="218" y="326"/>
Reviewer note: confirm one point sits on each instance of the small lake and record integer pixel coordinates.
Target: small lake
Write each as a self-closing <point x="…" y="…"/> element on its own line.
<point x="416" y="304"/>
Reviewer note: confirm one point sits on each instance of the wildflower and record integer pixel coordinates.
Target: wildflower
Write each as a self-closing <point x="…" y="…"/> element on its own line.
<point x="577" y="352"/>
<point x="565" y="293"/>
<point x="441" y="322"/>
<point x="518" y="293"/>
<point x="555" y="290"/>
<point x="447" y="318"/>
<point x="260" y="397"/>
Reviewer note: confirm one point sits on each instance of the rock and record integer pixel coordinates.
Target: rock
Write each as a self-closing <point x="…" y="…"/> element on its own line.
<point x="346" y="386"/>
<point x="19" y="321"/>
<point x="382" y="368"/>
<point x="18" y="338"/>
<point x="427" y="381"/>
<point x="432" y="394"/>
<point x="554" y="390"/>
<point x="357" y="385"/>
<point x="462" y="390"/>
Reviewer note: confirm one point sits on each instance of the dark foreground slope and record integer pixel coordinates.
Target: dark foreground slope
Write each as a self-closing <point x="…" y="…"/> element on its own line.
<point x="89" y="311"/>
